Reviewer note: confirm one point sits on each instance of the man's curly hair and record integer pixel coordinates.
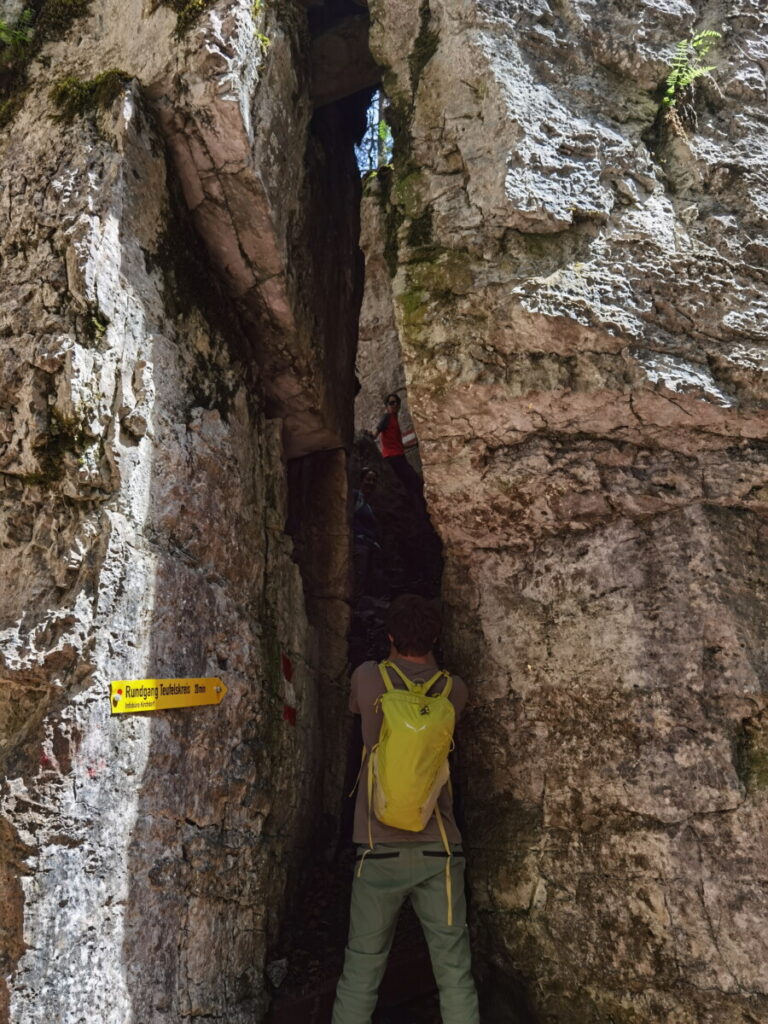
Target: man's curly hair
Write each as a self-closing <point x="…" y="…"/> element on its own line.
<point x="413" y="623"/>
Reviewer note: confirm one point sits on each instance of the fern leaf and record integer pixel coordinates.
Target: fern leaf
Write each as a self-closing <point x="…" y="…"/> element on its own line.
<point x="707" y="36"/>
<point x="685" y="66"/>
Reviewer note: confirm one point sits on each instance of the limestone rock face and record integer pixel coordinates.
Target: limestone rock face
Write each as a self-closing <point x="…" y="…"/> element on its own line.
<point x="144" y="859"/>
<point x="379" y="365"/>
<point x="580" y="298"/>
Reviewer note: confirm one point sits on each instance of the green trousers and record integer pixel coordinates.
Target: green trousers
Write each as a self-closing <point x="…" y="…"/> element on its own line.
<point x="391" y="873"/>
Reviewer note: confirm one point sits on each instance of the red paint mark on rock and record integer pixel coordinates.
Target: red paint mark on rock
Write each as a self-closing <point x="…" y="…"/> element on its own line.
<point x="287" y="666"/>
<point x="289" y="714"/>
<point x="96" y="768"/>
<point x="45" y="761"/>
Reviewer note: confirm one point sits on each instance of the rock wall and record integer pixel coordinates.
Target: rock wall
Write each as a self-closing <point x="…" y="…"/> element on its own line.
<point x="579" y="290"/>
<point x="580" y="298"/>
<point x="379" y="367"/>
<point x="161" y="357"/>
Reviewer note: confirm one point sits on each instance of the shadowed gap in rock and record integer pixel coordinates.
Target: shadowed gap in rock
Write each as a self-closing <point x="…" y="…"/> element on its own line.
<point x="407" y="559"/>
<point x="309" y="958"/>
<point x="307" y="961"/>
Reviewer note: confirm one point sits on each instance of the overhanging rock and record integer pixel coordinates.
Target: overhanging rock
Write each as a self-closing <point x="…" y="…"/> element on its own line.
<point x="341" y="61"/>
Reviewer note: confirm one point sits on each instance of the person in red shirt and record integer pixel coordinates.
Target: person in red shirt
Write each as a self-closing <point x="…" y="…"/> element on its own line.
<point x="392" y="450"/>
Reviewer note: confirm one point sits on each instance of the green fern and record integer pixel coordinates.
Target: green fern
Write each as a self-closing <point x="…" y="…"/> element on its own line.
<point x="263" y="40"/>
<point x="687" y="64"/>
<point x="16" y="36"/>
<point x="385" y="134"/>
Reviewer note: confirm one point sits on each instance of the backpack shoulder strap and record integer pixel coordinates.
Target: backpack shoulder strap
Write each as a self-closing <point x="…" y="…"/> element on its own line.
<point x="383" y="668"/>
<point x="385" y="675"/>
<point x="445" y="692"/>
<point x="421" y="688"/>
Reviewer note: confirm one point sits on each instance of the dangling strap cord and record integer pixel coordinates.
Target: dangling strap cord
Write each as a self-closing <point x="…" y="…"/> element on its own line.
<point x="448" y="855"/>
<point x="376" y="707"/>
<point x="370" y="810"/>
<point x="360" y="772"/>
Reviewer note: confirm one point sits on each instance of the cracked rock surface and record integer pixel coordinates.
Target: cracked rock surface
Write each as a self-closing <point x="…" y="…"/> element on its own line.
<point x="580" y="299"/>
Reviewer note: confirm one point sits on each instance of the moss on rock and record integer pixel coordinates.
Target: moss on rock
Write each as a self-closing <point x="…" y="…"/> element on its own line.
<point x="420" y="230"/>
<point x="75" y="97"/>
<point x="448" y="272"/>
<point x="392" y="220"/>
<point x="409" y="194"/>
<point x="9" y="108"/>
<point x="63" y="436"/>
<point x="752" y="754"/>
<point x="187" y="13"/>
<point x="42" y="23"/>
<point x="425" y="46"/>
<point x="56" y="17"/>
<point x="412" y="306"/>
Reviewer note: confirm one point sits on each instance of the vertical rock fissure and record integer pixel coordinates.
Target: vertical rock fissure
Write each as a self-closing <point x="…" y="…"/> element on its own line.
<point x="406" y="559"/>
<point x="329" y="266"/>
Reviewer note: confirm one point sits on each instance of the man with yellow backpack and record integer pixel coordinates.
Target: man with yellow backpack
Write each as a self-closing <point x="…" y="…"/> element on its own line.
<point x="408" y="842"/>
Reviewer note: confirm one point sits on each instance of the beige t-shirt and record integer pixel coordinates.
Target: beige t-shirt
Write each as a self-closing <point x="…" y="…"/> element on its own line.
<point x="367" y="685"/>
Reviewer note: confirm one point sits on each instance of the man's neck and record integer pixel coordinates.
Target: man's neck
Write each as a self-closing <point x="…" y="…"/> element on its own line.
<point x="419" y="659"/>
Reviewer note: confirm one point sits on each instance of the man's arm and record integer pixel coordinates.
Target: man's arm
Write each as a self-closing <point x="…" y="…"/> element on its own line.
<point x="459" y="694"/>
<point x="366" y="688"/>
<point x="380" y="425"/>
<point x="354" y="684"/>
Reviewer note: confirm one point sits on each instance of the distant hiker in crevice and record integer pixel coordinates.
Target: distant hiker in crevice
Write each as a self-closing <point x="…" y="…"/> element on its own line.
<point x="366" y="536"/>
<point x="393" y="449"/>
<point x="409" y="845"/>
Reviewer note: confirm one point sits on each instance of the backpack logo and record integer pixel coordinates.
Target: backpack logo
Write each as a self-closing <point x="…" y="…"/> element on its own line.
<point x="424" y="710"/>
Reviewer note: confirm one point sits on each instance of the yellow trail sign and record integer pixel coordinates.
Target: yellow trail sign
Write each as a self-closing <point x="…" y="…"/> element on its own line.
<point x="128" y="695"/>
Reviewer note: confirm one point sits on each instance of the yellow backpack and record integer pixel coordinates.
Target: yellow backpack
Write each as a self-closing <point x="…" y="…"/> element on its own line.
<point x="408" y="767"/>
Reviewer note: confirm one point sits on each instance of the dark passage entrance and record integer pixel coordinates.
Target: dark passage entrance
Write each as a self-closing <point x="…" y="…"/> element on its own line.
<point x="306" y="964"/>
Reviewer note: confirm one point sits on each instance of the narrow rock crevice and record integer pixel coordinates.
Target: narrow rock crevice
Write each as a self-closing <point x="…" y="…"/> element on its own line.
<point x="406" y="558"/>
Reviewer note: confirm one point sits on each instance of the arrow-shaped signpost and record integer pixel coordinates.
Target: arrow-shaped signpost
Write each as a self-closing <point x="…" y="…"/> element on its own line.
<point x="130" y="695"/>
